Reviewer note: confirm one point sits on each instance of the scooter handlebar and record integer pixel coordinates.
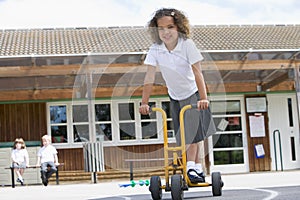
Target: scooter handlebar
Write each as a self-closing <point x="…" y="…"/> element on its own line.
<point x="151" y="109"/>
<point x="194" y="105"/>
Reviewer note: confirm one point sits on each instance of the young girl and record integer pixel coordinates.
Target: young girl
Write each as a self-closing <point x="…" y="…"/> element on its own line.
<point x="20" y="158"/>
<point x="179" y="61"/>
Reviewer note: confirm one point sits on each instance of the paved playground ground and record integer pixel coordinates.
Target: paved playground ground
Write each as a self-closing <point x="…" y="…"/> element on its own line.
<point x="84" y="191"/>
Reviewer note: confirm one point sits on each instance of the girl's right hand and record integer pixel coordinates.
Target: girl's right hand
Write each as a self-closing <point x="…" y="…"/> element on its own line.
<point x="144" y="109"/>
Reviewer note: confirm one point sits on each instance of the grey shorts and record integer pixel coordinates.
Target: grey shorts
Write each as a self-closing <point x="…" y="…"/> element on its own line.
<point x="20" y="166"/>
<point x="198" y="125"/>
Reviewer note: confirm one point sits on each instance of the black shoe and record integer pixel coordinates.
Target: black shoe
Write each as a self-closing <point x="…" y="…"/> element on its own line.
<point x="195" y="178"/>
<point x="20" y="181"/>
<point x="202" y="175"/>
<point x="46" y="182"/>
<point x="44" y="178"/>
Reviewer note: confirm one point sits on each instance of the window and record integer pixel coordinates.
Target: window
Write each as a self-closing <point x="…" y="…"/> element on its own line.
<point x="103" y="122"/>
<point x="80" y="123"/>
<point x="126" y="121"/>
<point x="149" y="124"/>
<point x="228" y="142"/>
<point x="226" y="107"/>
<point x="228" y="157"/>
<point x="58" y="123"/>
<point x="112" y="122"/>
<point x="170" y="126"/>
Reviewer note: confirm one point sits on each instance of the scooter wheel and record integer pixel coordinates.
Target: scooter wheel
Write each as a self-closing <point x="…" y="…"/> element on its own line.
<point x="176" y="187"/>
<point x="155" y="188"/>
<point x="217" y="184"/>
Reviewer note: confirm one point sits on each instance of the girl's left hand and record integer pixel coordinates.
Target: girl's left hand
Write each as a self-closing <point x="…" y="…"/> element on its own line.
<point x="202" y="104"/>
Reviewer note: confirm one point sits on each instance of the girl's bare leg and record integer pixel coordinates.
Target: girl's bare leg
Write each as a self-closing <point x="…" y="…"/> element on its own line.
<point x="192" y="152"/>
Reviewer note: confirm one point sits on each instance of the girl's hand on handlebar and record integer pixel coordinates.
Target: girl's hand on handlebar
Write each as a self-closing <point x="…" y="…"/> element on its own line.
<point x="144" y="109"/>
<point x="202" y="104"/>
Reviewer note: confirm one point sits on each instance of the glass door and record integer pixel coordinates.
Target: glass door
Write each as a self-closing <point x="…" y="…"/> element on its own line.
<point x="228" y="153"/>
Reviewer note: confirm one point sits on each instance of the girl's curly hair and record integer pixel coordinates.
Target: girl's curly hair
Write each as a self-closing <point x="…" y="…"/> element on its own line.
<point x="180" y="20"/>
<point x="21" y="141"/>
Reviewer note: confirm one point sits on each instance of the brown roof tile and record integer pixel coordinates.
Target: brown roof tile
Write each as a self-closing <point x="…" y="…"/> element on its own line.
<point x="135" y="39"/>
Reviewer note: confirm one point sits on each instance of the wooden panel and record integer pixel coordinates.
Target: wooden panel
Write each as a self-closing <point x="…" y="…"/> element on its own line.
<point x="115" y="156"/>
<point x="35" y="83"/>
<point x="58" y="94"/>
<point x="21" y="71"/>
<point x="258" y="164"/>
<point x="57" y="81"/>
<point x="26" y="120"/>
<point x="72" y="159"/>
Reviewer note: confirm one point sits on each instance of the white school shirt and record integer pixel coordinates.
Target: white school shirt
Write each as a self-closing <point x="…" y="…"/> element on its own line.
<point x="19" y="155"/>
<point x="47" y="153"/>
<point x="176" y="66"/>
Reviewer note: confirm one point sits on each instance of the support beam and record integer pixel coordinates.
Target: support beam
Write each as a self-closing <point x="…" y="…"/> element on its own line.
<point x="53" y="70"/>
<point x="275" y="82"/>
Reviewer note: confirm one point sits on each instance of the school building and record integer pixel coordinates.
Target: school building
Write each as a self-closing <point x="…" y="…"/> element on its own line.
<point x="83" y="85"/>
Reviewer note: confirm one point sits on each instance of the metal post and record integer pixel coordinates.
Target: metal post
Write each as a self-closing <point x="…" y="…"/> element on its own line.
<point x="90" y="97"/>
<point x="131" y="170"/>
<point x="57" y="176"/>
<point x="95" y="177"/>
<point x="280" y="149"/>
<point x="12" y="176"/>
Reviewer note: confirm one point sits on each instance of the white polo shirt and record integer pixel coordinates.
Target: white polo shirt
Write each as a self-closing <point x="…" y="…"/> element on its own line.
<point x="47" y="153"/>
<point x="175" y="66"/>
<point x="19" y="155"/>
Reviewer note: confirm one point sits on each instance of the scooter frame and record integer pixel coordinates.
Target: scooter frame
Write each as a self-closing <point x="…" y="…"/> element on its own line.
<point x="179" y="182"/>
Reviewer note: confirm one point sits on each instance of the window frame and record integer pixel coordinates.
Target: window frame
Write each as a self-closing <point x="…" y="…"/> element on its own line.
<point x="243" y="167"/>
<point x="103" y="122"/>
<point x="116" y="141"/>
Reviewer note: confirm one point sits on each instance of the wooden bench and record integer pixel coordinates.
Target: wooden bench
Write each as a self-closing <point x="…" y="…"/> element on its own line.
<point x="31" y="167"/>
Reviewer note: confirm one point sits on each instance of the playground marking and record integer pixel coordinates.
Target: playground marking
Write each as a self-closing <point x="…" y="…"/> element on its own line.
<point x="127" y="198"/>
<point x="272" y="195"/>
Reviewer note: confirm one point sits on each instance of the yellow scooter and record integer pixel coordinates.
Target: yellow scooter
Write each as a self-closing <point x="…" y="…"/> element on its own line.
<point x="179" y="181"/>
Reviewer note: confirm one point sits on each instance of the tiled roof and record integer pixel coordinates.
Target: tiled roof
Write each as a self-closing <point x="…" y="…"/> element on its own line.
<point x="20" y="42"/>
<point x="247" y="37"/>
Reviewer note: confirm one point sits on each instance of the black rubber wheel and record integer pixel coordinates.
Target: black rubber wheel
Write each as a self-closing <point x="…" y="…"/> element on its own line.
<point x="217" y="184"/>
<point x="155" y="188"/>
<point x="176" y="187"/>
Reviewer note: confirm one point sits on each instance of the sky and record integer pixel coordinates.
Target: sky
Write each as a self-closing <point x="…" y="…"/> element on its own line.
<point x="27" y="14"/>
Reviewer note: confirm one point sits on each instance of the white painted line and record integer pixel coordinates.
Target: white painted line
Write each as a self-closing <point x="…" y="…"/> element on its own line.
<point x="272" y="195"/>
<point x="127" y="198"/>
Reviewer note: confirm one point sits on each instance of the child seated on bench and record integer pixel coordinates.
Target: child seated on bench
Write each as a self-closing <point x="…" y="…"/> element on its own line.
<point x="47" y="158"/>
<point x="20" y="159"/>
